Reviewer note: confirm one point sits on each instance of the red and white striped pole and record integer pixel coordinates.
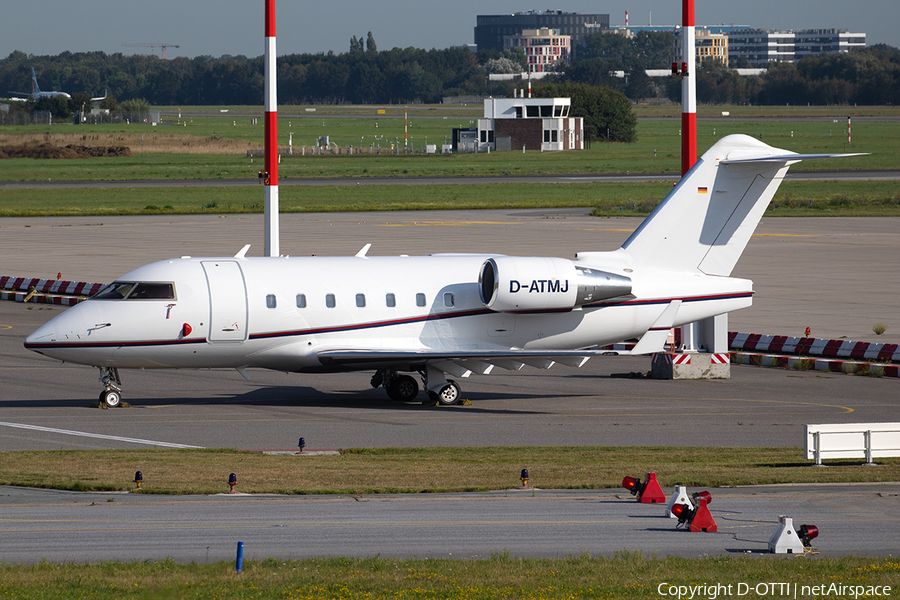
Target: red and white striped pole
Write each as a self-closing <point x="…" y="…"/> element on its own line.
<point x="688" y="88"/>
<point x="271" y="136"/>
<point x="690" y="333"/>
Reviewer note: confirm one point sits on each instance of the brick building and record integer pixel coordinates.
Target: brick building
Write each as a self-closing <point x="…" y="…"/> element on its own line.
<point x="531" y="123"/>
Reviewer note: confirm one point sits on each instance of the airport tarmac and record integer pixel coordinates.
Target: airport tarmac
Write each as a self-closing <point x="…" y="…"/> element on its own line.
<point x="74" y="527"/>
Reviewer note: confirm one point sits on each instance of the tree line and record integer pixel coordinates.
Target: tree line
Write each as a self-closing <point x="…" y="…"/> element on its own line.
<point x="366" y="75"/>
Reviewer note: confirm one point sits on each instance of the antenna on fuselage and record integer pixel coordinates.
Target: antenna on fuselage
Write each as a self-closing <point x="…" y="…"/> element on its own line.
<point x="271" y="136"/>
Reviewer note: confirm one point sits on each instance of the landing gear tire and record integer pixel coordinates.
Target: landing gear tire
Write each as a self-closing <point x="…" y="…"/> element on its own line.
<point x="449" y="395"/>
<point x="110" y="398"/>
<point x="403" y="389"/>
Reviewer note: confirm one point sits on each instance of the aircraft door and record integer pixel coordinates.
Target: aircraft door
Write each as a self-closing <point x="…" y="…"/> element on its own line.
<point x="227" y="301"/>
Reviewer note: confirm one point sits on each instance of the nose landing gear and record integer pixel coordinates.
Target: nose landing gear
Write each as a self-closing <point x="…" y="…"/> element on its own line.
<point x="111" y="397"/>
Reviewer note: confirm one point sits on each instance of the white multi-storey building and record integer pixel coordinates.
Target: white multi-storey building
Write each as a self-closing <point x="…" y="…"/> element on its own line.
<point x="761" y="46"/>
<point x="543" y="47"/>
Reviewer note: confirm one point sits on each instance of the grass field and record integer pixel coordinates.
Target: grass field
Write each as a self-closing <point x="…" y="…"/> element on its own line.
<point x="799" y="198"/>
<point x="629" y="575"/>
<point x="416" y="470"/>
<point x="216" y="149"/>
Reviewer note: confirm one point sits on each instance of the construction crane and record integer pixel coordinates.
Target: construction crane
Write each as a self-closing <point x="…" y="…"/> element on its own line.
<point x="154" y="46"/>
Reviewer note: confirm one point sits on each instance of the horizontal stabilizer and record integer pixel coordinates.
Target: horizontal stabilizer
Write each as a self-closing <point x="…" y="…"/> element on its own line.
<point x="786" y="158"/>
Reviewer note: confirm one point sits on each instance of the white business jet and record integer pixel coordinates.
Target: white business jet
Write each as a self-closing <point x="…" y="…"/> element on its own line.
<point x="444" y="315"/>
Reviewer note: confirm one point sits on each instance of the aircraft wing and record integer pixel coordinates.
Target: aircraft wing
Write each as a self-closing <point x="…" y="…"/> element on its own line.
<point x="460" y="363"/>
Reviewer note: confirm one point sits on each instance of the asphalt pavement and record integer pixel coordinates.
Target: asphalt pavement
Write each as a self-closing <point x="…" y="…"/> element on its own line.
<point x="77" y="527"/>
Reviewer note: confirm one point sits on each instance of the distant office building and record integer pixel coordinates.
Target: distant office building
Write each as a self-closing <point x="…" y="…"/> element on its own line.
<point x="543" y="47"/>
<point x="707" y="45"/>
<point x="826" y="41"/>
<point x="711" y="45"/>
<point x="761" y="46"/>
<point x="490" y="29"/>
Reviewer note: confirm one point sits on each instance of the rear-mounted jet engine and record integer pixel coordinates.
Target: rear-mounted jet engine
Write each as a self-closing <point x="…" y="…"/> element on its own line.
<point x="516" y="283"/>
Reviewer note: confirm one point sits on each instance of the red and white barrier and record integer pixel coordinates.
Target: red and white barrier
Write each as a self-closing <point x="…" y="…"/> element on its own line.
<point x="781" y="344"/>
<point x="47" y="291"/>
<point x="835" y="356"/>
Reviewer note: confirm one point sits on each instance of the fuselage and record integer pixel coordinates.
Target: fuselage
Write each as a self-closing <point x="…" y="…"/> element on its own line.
<point x="280" y="313"/>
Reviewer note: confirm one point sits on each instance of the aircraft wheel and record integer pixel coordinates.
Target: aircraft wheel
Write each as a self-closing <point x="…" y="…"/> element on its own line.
<point x="111" y="398"/>
<point x="449" y="394"/>
<point x="403" y="389"/>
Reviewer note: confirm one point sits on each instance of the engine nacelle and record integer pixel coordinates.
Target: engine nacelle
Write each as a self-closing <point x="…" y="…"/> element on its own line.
<point x="516" y="283"/>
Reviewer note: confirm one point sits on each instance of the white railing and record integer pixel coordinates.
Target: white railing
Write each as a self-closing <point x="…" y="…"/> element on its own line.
<point x="852" y="440"/>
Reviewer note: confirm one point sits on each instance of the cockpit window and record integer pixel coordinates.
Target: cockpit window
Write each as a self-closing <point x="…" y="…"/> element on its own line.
<point x="126" y="290"/>
<point x="152" y="291"/>
<point x="117" y="290"/>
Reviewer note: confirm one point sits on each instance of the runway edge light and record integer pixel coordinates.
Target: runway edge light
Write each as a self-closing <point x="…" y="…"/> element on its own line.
<point x="785" y="540"/>
<point x="648" y="492"/>
<point x="679" y="496"/>
<point x="698" y="518"/>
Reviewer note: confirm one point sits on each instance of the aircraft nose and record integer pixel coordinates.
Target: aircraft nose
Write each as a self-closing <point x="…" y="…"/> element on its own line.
<point x="43" y="334"/>
<point x="62" y="328"/>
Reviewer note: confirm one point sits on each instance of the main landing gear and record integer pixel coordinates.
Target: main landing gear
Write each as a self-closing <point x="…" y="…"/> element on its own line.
<point x="111" y="397"/>
<point x="404" y="388"/>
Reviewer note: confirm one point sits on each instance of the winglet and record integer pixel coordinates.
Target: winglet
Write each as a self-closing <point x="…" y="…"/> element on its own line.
<point x="242" y="252"/>
<point x="363" y="251"/>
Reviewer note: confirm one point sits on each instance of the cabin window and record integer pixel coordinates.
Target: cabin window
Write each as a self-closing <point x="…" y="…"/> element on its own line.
<point x="448" y="300"/>
<point x="329" y="300"/>
<point x="360" y="300"/>
<point x="390" y="300"/>
<point x="301" y="300"/>
<point x="270" y="301"/>
<point x="420" y="299"/>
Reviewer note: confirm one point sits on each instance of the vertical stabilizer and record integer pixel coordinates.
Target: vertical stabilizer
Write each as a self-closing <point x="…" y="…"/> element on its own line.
<point x="35" y="89"/>
<point x="705" y="222"/>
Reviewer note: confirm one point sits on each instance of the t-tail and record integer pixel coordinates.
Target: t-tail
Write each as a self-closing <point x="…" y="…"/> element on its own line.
<point x="705" y="222"/>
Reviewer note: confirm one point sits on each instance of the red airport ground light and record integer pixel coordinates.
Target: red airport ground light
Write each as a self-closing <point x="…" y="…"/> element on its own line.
<point x="699" y="518"/>
<point x="807" y="534"/>
<point x="648" y="492"/>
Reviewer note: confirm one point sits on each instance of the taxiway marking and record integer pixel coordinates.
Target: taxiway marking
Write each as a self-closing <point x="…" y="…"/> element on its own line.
<point x="97" y="435"/>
